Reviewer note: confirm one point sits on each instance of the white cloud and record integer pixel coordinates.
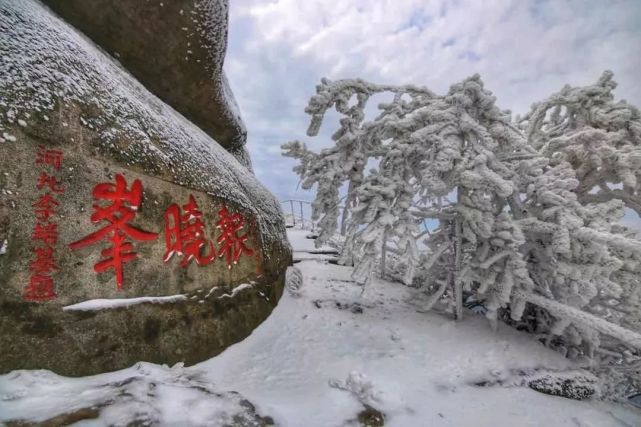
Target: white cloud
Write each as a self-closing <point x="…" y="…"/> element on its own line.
<point x="524" y="51"/>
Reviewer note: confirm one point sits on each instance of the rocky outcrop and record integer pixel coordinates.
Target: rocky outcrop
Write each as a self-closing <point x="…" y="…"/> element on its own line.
<point x="144" y="395"/>
<point x="577" y="385"/>
<point x="176" y="49"/>
<point x="574" y="384"/>
<point x="126" y="232"/>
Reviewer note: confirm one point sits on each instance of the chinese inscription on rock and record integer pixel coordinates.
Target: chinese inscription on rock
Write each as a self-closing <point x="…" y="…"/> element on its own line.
<point x="115" y="207"/>
<point x="119" y="210"/>
<point x="45" y="231"/>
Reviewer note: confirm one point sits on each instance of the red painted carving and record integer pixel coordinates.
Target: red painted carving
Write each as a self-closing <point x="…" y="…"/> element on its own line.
<point x="49" y="157"/>
<point x="232" y="246"/>
<point x="117" y="214"/>
<point x="47" y="232"/>
<point x="44" y="262"/>
<point x="45" y="207"/>
<point x="185" y="235"/>
<point x="50" y="181"/>
<point x="40" y="288"/>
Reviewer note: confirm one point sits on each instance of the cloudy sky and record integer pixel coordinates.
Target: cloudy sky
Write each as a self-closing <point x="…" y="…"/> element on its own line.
<point x="524" y="50"/>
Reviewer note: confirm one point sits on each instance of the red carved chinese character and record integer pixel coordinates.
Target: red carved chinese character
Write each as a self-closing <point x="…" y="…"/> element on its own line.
<point x="185" y="234"/>
<point x="45" y="207"/>
<point x="117" y="214"/>
<point x="45" y="231"/>
<point x="40" y="288"/>
<point x="119" y="253"/>
<point x="49" y="157"/>
<point x="232" y="245"/>
<point x="49" y="181"/>
<point x="44" y="262"/>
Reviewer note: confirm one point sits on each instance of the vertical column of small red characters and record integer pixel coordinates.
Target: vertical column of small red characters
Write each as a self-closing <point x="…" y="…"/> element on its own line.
<point x="45" y="231"/>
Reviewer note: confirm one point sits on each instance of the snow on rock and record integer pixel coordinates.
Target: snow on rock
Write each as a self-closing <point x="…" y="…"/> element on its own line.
<point x="105" y="304"/>
<point x="360" y="386"/>
<point x="188" y="74"/>
<point x="293" y="281"/>
<point x="78" y="99"/>
<point x="319" y="365"/>
<point x="144" y="394"/>
<point x="573" y="385"/>
<point x="8" y="137"/>
<point x="47" y="63"/>
<point x="237" y="290"/>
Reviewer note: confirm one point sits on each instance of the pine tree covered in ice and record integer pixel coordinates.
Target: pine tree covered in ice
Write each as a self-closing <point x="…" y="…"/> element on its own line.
<point x="519" y="224"/>
<point x="599" y="137"/>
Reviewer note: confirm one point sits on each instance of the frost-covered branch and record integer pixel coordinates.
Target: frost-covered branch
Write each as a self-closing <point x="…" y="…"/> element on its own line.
<point x="599" y="137"/>
<point x="521" y="209"/>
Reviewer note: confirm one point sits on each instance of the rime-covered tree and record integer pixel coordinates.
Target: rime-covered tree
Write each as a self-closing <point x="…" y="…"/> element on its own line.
<point x="343" y="163"/>
<point x="599" y="137"/>
<point x="519" y="224"/>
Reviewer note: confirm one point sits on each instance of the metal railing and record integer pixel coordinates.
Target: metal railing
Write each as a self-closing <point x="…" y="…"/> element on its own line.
<point x="296" y="215"/>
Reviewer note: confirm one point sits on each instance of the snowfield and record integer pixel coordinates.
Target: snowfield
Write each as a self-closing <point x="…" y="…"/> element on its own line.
<point x="329" y="349"/>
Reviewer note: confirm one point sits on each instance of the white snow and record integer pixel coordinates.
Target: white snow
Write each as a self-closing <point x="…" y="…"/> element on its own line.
<point x="300" y="242"/>
<point x="3" y="248"/>
<point x="144" y="394"/>
<point x="46" y="63"/>
<point x="104" y="304"/>
<point x="8" y="137"/>
<point x="324" y="354"/>
<point x="236" y="290"/>
<point x="417" y="367"/>
<point x="304" y="248"/>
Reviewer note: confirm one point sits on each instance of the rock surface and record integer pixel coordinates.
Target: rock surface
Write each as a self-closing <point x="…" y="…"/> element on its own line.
<point x="64" y="100"/>
<point x="143" y="395"/>
<point x="176" y="49"/>
<point x="577" y="385"/>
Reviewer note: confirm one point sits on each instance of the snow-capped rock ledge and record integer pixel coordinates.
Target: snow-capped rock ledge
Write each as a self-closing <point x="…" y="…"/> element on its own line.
<point x="105" y="304"/>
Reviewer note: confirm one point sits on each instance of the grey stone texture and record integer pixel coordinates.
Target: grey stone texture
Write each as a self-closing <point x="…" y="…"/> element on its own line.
<point x="176" y="49"/>
<point x="58" y="91"/>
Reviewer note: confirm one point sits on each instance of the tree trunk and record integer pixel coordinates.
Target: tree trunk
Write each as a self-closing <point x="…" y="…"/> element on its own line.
<point x="384" y="253"/>
<point x="348" y="201"/>
<point x="563" y="311"/>
<point x="458" y="284"/>
<point x="458" y="257"/>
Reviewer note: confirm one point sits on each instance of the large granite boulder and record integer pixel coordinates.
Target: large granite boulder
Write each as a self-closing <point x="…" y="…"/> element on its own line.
<point x="176" y="49"/>
<point x="126" y="232"/>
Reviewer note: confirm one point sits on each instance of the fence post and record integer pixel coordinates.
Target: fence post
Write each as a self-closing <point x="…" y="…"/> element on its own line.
<point x="291" y="203"/>
<point x="302" y="218"/>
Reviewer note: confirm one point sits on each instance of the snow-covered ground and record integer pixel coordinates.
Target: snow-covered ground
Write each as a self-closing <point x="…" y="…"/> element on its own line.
<point x="321" y="357"/>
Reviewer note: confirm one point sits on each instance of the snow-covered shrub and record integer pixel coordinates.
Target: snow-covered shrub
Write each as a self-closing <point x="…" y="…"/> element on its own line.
<point x="359" y="385"/>
<point x="518" y="223"/>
